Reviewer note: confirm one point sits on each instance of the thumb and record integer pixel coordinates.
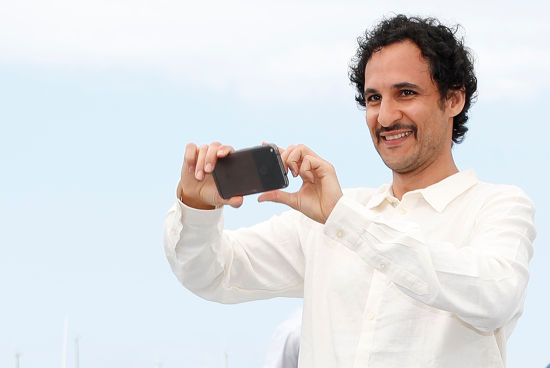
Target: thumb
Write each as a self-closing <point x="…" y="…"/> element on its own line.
<point x="278" y="196"/>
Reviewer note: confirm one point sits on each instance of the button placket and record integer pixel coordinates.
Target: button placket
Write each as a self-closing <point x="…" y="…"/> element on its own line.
<point x="365" y="343"/>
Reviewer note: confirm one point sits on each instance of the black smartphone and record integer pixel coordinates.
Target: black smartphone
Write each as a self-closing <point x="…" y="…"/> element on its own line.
<point x="251" y="170"/>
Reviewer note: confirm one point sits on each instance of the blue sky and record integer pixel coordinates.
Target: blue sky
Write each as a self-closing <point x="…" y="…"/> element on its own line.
<point x="98" y="100"/>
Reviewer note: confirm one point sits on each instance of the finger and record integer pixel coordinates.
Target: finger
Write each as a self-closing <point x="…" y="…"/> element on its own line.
<point x="305" y="150"/>
<point x="310" y="165"/>
<point x="224" y="150"/>
<point x="284" y="157"/>
<point x="199" y="166"/>
<point x="294" y="159"/>
<point x="190" y="158"/>
<point x="278" y="196"/>
<point x="286" y="152"/>
<point x="235" y="202"/>
<point x="211" y="157"/>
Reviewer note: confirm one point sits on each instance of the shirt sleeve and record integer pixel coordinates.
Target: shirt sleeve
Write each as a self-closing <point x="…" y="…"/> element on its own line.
<point x="482" y="282"/>
<point x="260" y="262"/>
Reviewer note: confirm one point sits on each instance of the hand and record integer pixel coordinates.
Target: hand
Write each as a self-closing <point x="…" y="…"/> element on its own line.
<point x="197" y="188"/>
<point x="320" y="190"/>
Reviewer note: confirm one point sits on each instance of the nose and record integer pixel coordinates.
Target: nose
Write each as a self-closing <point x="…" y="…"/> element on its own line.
<point x="388" y="113"/>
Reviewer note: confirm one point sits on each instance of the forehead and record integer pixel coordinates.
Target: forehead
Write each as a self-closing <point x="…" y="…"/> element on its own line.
<point x="397" y="63"/>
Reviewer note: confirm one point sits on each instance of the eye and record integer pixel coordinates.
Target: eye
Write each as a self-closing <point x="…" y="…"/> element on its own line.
<point x="373" y="98"/>
<point x="407" y="92"/>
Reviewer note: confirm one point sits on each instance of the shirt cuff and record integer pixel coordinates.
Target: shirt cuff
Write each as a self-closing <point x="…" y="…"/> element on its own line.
<point x="196" y="217"/>
<point x="347" y="221"/>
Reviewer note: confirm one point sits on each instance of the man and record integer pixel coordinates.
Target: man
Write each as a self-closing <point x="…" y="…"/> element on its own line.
<point x="428" y="271"/>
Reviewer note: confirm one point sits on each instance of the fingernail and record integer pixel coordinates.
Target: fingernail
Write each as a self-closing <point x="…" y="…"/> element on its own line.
<point x="199" y="175"/>
<point x="208" y="168"/>
<point x="191" y="169"/>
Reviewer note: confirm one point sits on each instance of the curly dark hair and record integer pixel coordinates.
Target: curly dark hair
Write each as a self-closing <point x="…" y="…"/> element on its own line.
<point x="451" y="64"/>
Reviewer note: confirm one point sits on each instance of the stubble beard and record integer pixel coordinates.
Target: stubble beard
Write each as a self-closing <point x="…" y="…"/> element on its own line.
<point x="422" y="156"/>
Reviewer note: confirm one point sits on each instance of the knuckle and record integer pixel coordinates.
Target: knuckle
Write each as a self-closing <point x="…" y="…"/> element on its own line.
<point x="189" y="156"/>
<point x="210" y="154"/>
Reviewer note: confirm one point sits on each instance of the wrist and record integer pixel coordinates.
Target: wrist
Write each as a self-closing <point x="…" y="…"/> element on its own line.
<point x="191" y="201"/>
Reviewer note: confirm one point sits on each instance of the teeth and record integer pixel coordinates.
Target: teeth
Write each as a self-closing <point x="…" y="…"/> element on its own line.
<point x="397" y="136"/>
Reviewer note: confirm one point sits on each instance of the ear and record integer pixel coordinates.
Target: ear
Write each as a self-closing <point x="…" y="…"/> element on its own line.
<point x="455" y="101"/>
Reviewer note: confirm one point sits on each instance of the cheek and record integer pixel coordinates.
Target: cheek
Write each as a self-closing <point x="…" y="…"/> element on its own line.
<point x="372" y="124"/>
<point x="372" y="119"/>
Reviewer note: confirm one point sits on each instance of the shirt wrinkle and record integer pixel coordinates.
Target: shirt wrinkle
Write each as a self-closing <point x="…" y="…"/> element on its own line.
<point x="432" y="285"/>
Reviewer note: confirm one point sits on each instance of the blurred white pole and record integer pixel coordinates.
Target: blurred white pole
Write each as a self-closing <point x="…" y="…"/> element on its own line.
<point x="225" y="360"/>
<point x="65" y="337"/>
<point x="17" y="356"/>
<point x="76" y="353"/>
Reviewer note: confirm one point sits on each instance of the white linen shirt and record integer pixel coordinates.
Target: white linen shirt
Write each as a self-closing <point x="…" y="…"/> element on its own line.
<point x="437" y="279"/>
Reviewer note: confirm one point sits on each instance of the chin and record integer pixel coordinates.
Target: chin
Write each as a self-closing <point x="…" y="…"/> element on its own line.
<point x="400" y="167"/>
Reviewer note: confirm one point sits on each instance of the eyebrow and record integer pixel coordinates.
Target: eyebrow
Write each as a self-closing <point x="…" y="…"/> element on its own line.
<point x="395" y="86"/>
<point x="405" y="85"/>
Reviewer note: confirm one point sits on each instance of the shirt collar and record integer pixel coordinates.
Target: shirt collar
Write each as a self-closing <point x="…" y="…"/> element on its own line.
<point x="438" y="195"/>
<point x="380" y="195"/>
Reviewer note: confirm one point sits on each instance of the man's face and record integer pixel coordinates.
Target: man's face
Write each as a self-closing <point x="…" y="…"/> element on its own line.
<point x="410" y="125"/>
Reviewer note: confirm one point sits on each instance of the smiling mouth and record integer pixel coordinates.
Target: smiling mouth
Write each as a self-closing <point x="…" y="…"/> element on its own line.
<point x="389" y="138"/>
<point x="395" y="134"/>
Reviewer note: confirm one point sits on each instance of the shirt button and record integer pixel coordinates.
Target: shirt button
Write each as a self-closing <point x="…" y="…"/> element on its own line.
<point x="340" y="234"/>
<point x="370" y="316"/>
<point x="382" y="266"/>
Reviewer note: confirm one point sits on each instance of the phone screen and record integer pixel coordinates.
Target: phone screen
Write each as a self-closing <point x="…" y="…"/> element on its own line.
<point x="248" y="171"/>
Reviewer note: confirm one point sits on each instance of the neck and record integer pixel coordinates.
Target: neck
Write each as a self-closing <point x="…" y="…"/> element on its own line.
<point x="422" y="177"/>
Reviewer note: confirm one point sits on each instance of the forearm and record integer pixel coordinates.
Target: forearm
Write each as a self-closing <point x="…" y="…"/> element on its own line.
<point x="187" y="245"/>
<point x="233" y="266"/>
<point x="483" y="282"/>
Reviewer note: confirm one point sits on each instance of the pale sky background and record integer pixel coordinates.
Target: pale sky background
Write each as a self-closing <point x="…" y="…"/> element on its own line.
<point x="98" y="99"/>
